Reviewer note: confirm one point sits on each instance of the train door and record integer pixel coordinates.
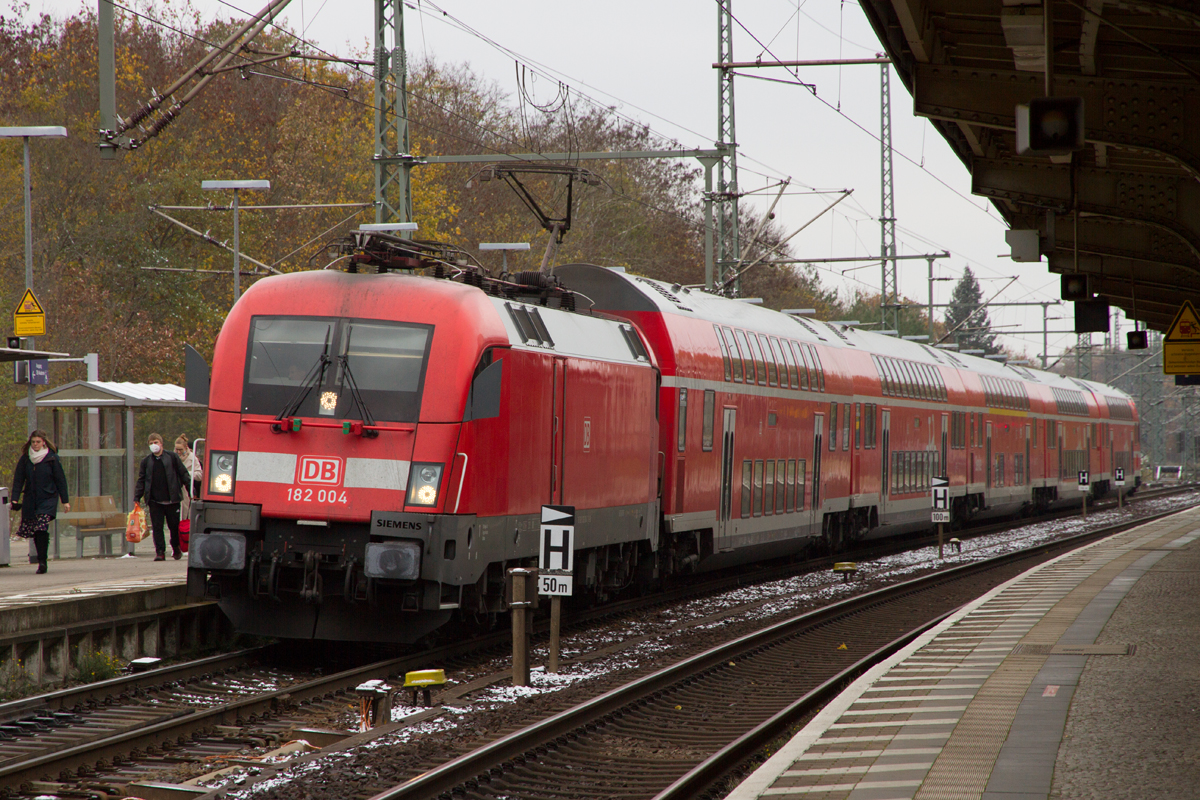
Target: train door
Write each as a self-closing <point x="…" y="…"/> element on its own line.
<point x="944" y="466"/>
<point x="818" y="446"/>
<point x="987" y="454"/>
<point x="556" y="431"/>
<point x="1028" y="453"/>
<point x="885" y="460"/>
<point x="728" y="425"/>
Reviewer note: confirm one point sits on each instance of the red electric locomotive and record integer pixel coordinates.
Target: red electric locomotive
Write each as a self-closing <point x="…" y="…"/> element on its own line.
<point x="380" y="445"/>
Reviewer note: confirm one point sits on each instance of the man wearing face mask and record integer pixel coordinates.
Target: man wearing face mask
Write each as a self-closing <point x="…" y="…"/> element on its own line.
<point x="161" y="480"/>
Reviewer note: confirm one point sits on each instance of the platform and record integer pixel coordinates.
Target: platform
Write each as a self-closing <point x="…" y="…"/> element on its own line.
<point x="1079" y="678"/>
<point x="124" y="607"/>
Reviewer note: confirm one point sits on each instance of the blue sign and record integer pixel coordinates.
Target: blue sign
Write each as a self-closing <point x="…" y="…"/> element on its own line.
<point x="39" y="371"/>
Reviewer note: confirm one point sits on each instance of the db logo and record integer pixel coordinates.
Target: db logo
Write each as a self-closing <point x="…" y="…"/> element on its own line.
<point x="325" y="470"/>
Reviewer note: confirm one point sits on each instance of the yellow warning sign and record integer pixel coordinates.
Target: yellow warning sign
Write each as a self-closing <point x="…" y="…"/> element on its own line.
<point x="1181" y="344"/>
<point x="29" y="318"/>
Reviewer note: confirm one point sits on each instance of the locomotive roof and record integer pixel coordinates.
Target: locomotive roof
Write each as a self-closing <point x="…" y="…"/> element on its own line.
<point x="615" y="290"/>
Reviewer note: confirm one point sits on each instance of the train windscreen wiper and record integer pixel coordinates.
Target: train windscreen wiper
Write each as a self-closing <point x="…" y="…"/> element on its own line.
<point x="352" y="385"/>
<point x="315" y="377"/>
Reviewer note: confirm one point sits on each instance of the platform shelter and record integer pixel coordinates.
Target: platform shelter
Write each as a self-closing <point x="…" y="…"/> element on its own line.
<point x="99" y="428"/>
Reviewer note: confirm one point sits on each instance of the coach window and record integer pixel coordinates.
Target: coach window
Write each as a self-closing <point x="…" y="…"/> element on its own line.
<point x="758" y="488"/>
<point x="858" y="423"/>
<point x="845" y="426"/>
<point x="890" y="388"/>
<point x="724" y="354"/>
<point x="793" y="378"/>
<point x="833" y="426"/>
<point x="801" y="482"/>
<point x="803" y="365"/>
<point x="910" y="383"/>
<point x="895" y="387"/>
<point x="747" y="356"/>
<point x="926" y="384"/>
<point x="777" y="353"/>
<point x="1035" y="434"/>
<point x="682" y="421"/>
<point x="769" y="357"/>
<point x="791" y="485"/>
<point x="816" y="358"/>
<point x="869" y="412"/>
<point x="710" y="406"/>
<point x="769" y="489"/>
<point x="747" y="487"/>
<point x="802" y="368"/>
<point x="759" y="363"/>
<point x="780" y="484"/>
<point x="734" y="356"/>
<point x="777" y="348"/>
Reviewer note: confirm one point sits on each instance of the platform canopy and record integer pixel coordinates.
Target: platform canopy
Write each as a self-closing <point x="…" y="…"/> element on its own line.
<point x="1135" y="185"/>
<point x="97" y="394"/>
<point x="13" y="354"/>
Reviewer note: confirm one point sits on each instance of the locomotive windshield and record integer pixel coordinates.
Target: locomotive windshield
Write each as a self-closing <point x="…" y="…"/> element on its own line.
<point x="308" y="366"/>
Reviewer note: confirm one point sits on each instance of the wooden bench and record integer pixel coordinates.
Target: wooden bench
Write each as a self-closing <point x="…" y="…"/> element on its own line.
<point x="100" y="517"/>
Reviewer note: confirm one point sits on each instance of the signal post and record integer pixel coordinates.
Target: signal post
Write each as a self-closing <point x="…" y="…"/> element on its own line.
<point x="556" y="569"/>
<point x="1084" y="486"/>
<point x="941" y="507"/>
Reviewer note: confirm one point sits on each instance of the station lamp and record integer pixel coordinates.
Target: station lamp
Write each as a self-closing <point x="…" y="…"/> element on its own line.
<point x="1050" y="126"/>
<point x="1074" y="286"/>
<point x="209" y="186"/>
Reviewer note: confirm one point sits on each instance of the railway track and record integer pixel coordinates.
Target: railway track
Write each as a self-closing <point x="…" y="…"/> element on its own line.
<point x="671" y="734"/>
<point x="114" y="732"/>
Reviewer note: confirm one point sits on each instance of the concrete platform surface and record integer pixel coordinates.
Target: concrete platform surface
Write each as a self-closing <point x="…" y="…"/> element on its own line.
<point x="1077" y="679"/>
<point x="76" y="578"/>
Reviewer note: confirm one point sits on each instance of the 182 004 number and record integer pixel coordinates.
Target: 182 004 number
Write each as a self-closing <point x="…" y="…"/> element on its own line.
<point x="301" y="495"/>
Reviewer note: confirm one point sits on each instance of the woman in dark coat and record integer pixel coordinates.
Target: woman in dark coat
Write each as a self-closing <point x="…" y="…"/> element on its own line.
<point x="39" y="482"/>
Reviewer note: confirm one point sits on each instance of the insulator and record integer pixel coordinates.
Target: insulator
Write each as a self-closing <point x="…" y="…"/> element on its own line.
<point x="381" y="63"/>
<point x="534" y="278"/>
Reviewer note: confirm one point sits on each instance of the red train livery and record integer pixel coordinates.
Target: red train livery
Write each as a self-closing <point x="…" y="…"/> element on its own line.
<point x="380" y="445"/>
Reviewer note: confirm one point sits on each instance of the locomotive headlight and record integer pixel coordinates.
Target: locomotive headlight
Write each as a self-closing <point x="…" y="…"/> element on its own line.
<point x="329" y="401"/>
<point x="423" y="480"/>
<point x="221" y="466"/>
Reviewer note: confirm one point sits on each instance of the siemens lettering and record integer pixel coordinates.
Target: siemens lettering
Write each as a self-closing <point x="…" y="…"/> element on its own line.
<point x="398" y="524"/>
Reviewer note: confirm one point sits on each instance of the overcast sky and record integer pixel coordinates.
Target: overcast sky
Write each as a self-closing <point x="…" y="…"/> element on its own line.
<point x="653" y="61"/>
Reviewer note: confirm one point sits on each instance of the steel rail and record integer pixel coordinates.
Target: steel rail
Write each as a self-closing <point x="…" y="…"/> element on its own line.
<point x="184" y="722"/>
<point x="126" y="684"/>
<point x="477" y="763"/>
<point x="750" y="743"/>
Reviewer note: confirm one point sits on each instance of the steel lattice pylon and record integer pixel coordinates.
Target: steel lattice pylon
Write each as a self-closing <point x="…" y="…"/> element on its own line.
<point x="889" y="295"/>
<point x="728" y="249"/>
<point x="393" y="200"/>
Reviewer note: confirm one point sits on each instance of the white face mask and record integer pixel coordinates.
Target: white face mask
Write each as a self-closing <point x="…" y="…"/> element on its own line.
<point x="156" y="448"/>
